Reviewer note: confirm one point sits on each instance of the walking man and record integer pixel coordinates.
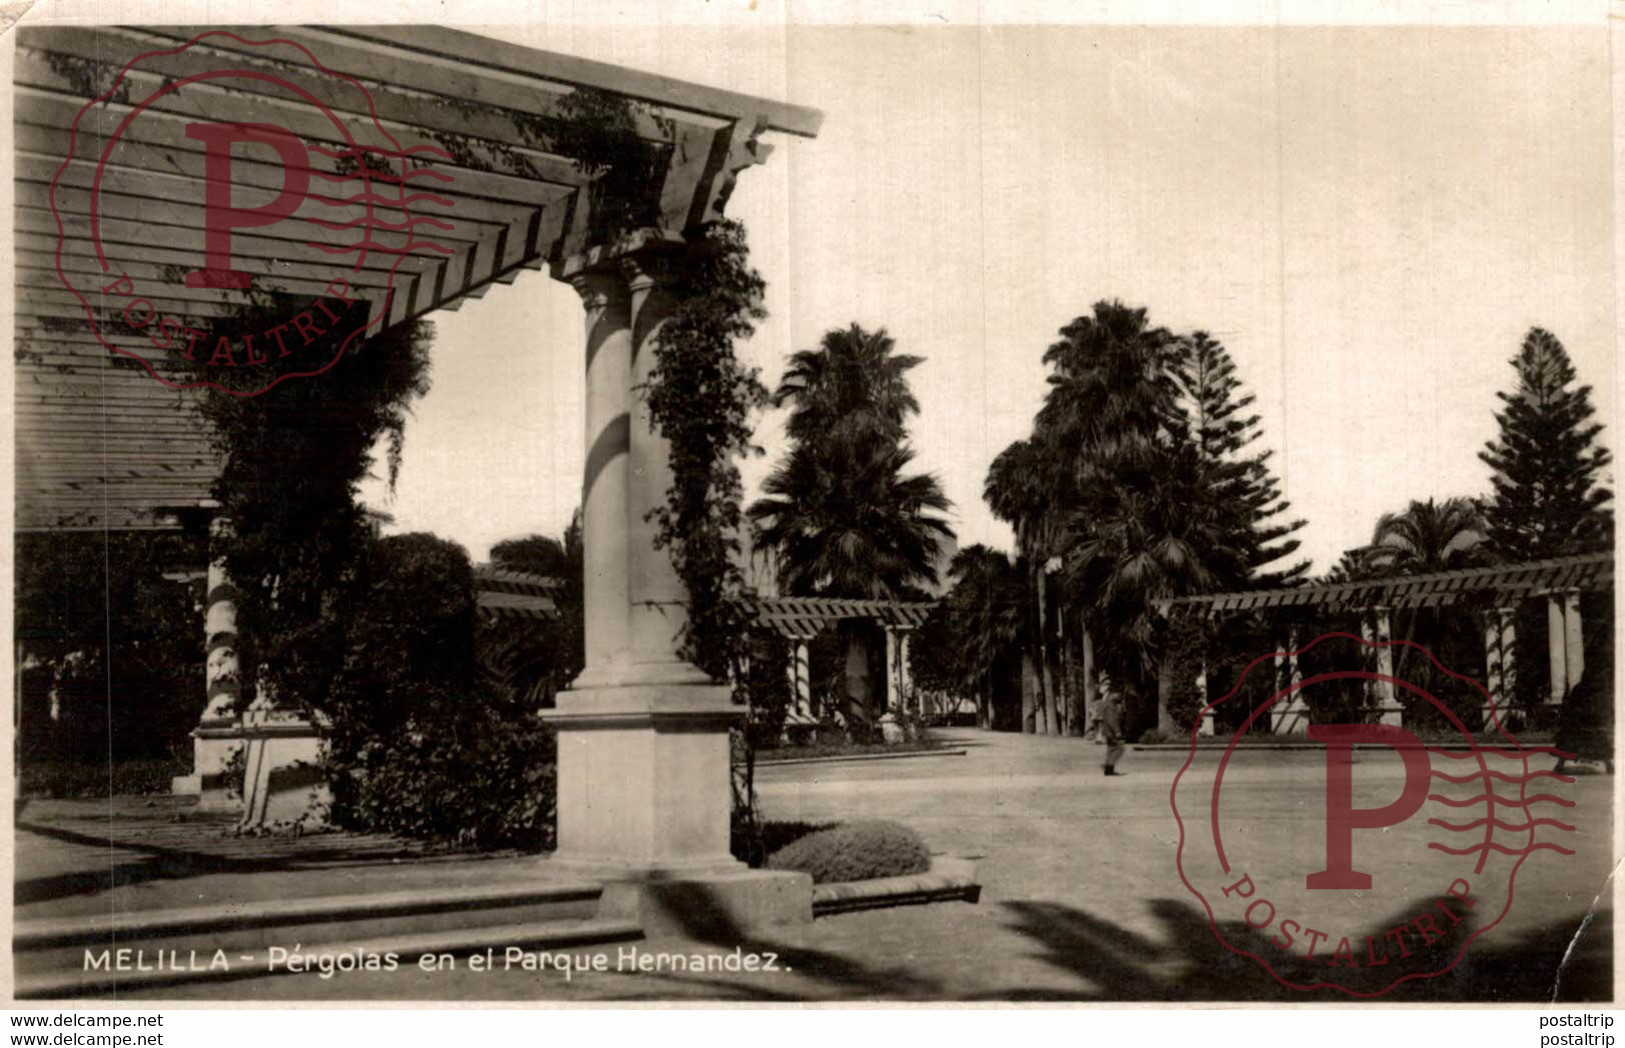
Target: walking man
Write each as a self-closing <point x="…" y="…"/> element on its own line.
<point x="1111" y="730"/>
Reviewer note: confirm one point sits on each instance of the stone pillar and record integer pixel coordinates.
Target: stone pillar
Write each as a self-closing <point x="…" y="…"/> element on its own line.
<point x="1500" y="639"/>
<point x="218" y="738"/>
<point x="1573" y="640"/>
<point x="800" y="680"/>
<point x="1387" y="696"/>
<point x="1207" y="727"/>
<point x="1557" y="649"/>
<point x="606" y="597"/>
<point x="1091" y="683"/>
<point x="1290" y="714"/>
<point x="891" y="669"/>
<point x="905" y="678"/>
<point x="644" y="765"/>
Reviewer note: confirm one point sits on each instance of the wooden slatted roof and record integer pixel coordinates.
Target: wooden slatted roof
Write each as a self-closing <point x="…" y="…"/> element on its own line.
<point x="803" y="618"/>
<point x="503" y="593"/>
<point x="100" y="443"/>
<point x="1593" y="571"/>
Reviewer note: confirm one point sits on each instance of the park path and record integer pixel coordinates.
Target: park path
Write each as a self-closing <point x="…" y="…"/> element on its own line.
<point x="1081" y="899"/>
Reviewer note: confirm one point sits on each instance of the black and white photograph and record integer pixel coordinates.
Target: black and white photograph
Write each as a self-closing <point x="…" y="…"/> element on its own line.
<point x="778" y="504"/>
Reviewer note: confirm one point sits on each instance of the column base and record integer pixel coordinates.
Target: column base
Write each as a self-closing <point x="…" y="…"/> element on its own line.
<point x="215" y="743"/>
<point x="644" y="781"/>
<point x="1291" y="718"/>
<point x="282" y="783"/>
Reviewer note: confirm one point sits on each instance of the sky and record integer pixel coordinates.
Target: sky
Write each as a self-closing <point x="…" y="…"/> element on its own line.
<point x="1370" y="219"/>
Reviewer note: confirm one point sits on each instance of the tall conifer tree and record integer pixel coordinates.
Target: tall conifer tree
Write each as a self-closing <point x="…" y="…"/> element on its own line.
<point x="1548" y="498"/>
<point x="1217" y="424"/>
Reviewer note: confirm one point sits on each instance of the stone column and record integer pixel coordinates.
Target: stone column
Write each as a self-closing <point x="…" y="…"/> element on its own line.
<point x="644" y="766"/>
<point x="1500" y="639"/>
<point x="1091" y="683"/>
<point x="800" y="685"/>
<point x="218" y="738"/>
<point x="1557" y="649"/>
<point x="1207" y="727"/>
<point x="1574" y="639"/>
<point x="1387" y="697"/>
<point x="606" y="596"/>
<point x="905" y="679"/>
<point x="1290" y="714"/>
<point x="894" y="679"/>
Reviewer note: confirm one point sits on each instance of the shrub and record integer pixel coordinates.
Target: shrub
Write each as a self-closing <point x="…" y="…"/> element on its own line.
<point x="472" y="778"/>
<point x="1151" y="737"/>
<point x="856" y="851"/>
<point x="416" y="748"/>
<point x="99" y="778"/>
<point x="753" y="842"/>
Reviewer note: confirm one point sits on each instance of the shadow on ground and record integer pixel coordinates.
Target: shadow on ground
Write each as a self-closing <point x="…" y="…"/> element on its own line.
<point x="1188" y="963"/>
<point x="166" y="862"/>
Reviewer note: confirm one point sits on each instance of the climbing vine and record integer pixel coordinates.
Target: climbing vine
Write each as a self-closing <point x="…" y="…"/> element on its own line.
<point x="700" y="399"/>
<point x="293" y="460"/>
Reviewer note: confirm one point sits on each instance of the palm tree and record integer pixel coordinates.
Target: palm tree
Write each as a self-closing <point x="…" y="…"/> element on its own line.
<point x="1021" y="490"/>
<point x="851" y="385"/>
<point x="851" y="524"/>
<point x="1146" y="515"/>
<point x="1170" y="537"/>
<point x="840" y="513"/>
<point x="1428" y="537"/>
<point x="985" y="610"/>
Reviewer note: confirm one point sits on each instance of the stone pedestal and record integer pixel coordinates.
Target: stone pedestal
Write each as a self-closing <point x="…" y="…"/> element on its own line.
<point x="282" y="780"/>
<point x="643" y="782"/>
<point x="214" y="747"/>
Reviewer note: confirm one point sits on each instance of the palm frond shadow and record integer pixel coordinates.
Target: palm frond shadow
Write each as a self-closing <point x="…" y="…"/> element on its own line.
<point x="1186" y="962"/>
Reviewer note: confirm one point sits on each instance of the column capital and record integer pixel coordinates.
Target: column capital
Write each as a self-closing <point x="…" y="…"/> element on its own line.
<point x="600" y="288"/>
<point x="651" y="267"/>
<point x="607" y="257"/>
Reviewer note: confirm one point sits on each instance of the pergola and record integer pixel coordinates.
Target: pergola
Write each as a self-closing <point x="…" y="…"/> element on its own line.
<point x="800" y="619"/>
<point x="104" y="444"/>
<point x="1496" y="590"/>
<point x="516" y="594"/>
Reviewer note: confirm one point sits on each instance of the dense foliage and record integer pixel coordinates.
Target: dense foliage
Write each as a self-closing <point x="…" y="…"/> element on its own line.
<point x="1548" y="497"/>
<point x="294" y="459"/>
<point x="966" y="646"/>
<point x="1139" y="482"/>
<point x="418" y="745"/>
<point x="521" y="658"/>
<point x="700" y="400"/>
<point x="97" y="608"/>
<point x="839" y="511"/>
